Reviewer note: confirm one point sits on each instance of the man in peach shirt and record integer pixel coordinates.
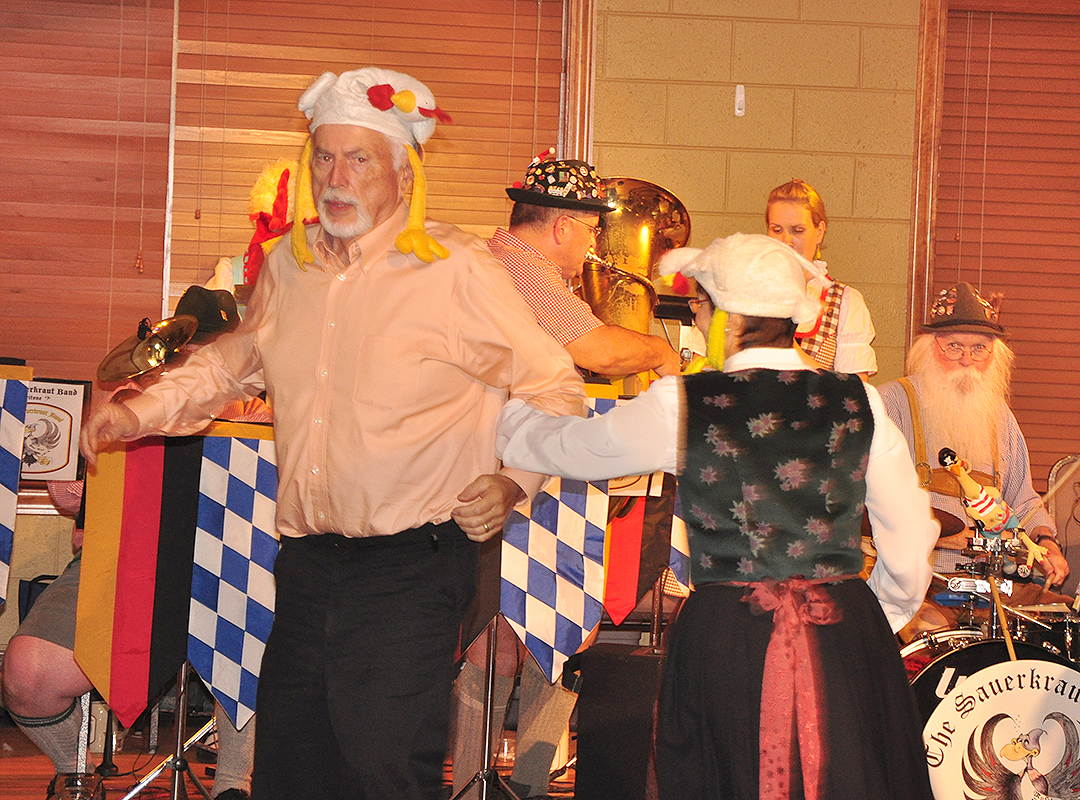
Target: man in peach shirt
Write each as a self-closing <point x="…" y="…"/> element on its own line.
<point x="386" y="370"/>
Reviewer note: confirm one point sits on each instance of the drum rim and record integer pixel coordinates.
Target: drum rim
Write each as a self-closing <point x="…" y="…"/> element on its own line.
<point x="917" y="645"/>
<point x="1017" y="645"/>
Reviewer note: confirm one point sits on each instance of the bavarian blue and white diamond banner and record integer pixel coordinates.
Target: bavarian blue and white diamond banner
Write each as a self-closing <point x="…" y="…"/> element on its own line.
<point x="679" y="564"/>
<point x="553" y="569"/>
<point x="12" y="428"/>
<point x="553" y="566"/>
<point x="232" y="591"/>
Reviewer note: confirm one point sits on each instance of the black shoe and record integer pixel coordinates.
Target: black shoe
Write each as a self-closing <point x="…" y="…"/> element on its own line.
<point x="233" y="794"/>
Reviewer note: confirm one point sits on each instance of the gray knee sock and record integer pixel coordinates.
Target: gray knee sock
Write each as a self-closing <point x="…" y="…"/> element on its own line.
<point x="235" y="753"/>
<point x="543" y="715"/>
<point x="58" y="737"/>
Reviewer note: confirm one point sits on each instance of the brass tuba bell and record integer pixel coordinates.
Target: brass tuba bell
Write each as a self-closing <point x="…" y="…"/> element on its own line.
<point x="645" y="222"/>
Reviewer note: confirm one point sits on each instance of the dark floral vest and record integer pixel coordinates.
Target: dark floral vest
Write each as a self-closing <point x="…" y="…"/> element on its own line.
<point x="774" y="482"/>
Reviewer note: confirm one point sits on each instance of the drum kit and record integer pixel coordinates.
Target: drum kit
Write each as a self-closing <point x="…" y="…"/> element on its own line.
<point x="1000" y="700"/>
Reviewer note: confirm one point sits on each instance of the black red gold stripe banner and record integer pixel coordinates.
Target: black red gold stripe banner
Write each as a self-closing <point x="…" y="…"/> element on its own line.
<point x="135" y="586"/>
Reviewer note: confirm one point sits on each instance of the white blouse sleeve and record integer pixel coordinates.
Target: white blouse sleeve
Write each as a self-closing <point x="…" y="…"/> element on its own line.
<point x="854" y="334"/>
<point x="635" y="438"/>
<point x="904" y="530"/>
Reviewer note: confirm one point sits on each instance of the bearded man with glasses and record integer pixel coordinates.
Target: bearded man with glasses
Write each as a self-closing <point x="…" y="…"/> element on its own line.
<point x="955" y="395"/>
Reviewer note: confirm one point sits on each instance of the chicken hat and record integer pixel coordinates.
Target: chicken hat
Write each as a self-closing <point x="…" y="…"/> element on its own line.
<point x="748" y="274"/>
<point x="392" y="103"/>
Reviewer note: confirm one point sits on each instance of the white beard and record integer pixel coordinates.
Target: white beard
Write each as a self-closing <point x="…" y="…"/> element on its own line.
<point x="340" y="230"/>
<point x="961" y="406"/>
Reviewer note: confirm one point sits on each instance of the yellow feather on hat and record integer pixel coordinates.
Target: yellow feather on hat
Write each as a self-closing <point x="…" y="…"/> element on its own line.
<point x="305" y="210"/>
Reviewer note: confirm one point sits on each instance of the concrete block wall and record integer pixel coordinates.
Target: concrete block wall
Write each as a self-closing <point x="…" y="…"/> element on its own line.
<point x="830" y="98"/>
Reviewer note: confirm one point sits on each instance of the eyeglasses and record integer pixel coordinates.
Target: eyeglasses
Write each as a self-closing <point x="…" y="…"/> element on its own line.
<point x="695" y="303"/>
<point x="954" y="351"/>
<point x="593" y="229"/>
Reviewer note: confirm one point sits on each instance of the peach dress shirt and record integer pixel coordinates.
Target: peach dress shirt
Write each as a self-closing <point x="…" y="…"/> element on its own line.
<point x="386" y="376"/>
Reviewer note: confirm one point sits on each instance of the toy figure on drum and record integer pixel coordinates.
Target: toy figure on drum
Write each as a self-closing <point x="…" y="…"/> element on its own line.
<point x="954" y="396"/>
<point x="781" y="676"/>
<point x="991" y="514"/>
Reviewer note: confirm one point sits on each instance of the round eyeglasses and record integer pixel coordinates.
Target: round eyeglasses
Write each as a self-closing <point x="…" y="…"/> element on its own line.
<point x="695" y="303"/>
<point x="954" y="351"/>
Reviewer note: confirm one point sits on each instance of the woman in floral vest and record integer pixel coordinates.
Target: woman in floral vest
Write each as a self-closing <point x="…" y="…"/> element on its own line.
<point x="782" y="677"/>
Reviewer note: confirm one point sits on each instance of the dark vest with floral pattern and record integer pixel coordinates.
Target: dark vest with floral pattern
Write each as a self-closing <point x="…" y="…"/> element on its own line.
<point x="774" y="482"/>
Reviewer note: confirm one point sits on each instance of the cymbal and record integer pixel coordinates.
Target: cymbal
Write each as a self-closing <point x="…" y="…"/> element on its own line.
<point x="949" y="523"/>
<point x="147" y="349"/>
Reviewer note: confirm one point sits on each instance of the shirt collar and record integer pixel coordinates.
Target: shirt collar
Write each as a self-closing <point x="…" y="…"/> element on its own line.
<point x="364" y="250"/>
<point x="503" y="238"/>
<point x="780" y="358"/>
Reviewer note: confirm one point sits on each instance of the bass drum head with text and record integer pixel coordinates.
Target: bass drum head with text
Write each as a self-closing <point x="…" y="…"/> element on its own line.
<point x="944" y="673"/>
<point x="1010" y="730"/>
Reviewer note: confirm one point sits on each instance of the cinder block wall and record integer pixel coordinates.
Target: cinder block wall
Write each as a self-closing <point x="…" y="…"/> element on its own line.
<point x="830" y="98"/>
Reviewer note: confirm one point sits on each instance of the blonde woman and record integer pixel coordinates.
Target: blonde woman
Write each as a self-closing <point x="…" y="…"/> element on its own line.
<point x="839" y="339"/>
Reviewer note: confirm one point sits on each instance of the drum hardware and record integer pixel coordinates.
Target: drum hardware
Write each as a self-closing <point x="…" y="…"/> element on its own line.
<point x="980" y="589"/>
<point x="938" y="642"/>
<point x="179" y="765"/>
<point x="147" y="349"/>
<point x="978" y="586"/>
<point x="1003" y="556"/>
<point x="487" y="779"/>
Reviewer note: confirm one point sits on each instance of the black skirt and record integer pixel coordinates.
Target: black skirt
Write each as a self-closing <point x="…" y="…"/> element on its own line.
<point x="710" y="700"/>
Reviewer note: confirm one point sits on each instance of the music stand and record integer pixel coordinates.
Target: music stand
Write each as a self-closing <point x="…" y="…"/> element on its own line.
<point x="487" y="776"/>
<point x="177" y="762"/>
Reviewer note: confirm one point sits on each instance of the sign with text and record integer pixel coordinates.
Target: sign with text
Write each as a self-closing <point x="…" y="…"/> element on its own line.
<point x="51" y="438"/>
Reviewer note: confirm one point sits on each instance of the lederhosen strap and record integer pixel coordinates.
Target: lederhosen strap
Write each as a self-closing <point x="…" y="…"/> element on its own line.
<point x="936" y="479"/>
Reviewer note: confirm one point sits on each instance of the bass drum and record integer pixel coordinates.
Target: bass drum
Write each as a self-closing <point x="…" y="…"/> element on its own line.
<point x="967" y="654"/>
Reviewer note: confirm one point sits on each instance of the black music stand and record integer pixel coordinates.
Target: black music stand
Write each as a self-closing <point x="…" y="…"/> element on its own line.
<point x="487" y="776"/>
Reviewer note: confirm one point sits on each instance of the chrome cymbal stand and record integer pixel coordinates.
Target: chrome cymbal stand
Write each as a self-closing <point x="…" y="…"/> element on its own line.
<point x="177" y="762"/>
<point x="489" y="779"/>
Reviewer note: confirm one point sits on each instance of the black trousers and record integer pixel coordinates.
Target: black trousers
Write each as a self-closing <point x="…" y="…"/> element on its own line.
<point x="354" y="692"/>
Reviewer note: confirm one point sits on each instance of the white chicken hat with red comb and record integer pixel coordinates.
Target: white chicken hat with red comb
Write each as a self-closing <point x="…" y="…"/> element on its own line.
<point x="389" y="102"/>
<point x="749" y="274"/>
<point x="392" y="103"/>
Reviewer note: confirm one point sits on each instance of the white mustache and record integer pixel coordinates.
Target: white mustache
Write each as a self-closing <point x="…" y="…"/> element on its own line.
<point x="332" y="195"/>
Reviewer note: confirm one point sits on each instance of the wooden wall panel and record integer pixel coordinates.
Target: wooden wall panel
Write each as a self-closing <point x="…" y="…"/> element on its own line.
<point x="84" y="143"/>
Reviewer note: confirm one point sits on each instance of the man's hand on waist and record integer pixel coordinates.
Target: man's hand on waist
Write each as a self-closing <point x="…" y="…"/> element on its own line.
<point x="486" y="504"/>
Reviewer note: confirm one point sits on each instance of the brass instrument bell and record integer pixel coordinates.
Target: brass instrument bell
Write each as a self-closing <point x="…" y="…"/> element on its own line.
<point x="645" y="222"/>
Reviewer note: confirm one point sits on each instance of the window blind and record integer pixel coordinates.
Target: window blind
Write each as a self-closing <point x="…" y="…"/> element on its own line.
<point x="1008" y="204"/>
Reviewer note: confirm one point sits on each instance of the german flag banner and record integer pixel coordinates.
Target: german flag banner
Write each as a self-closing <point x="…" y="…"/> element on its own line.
<point x="637" y="548"/>
<point x="145" y="509"/>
